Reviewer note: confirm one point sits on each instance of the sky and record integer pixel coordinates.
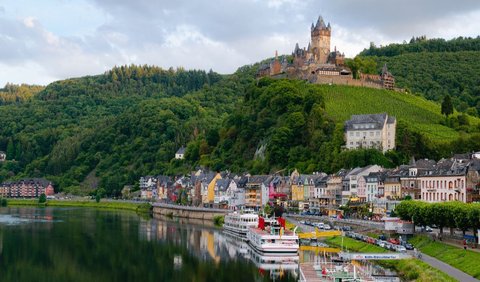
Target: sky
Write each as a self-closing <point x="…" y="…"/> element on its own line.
<point x="48" y="40"/>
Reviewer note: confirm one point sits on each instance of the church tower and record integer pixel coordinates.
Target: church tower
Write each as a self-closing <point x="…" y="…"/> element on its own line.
<point x="320" y="36"/>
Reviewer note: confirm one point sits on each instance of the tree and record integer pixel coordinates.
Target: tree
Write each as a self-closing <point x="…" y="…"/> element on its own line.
<point x="42" y="199"/>
<point x="10" y="149"/>
<point x="97" y="198"/>
<point x="447" y="106"/>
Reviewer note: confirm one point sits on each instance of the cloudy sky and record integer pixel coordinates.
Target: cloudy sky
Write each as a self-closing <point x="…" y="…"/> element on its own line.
<point x="43" y="41"/>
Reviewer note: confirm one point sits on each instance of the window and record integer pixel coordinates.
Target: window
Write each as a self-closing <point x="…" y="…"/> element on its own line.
<point x="371" y="133"/>
<point x="351" y="134"/>
<point x="357" y="134"/>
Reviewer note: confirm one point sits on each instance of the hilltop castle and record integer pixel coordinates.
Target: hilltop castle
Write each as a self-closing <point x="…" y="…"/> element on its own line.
<point x="318" y="64"/>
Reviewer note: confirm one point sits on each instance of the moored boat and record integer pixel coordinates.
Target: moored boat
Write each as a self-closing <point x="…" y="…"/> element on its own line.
<point x="238" y="223"/>
<point x="271" y="237"/>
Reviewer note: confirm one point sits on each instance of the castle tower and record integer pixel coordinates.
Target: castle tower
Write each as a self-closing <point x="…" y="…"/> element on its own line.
<point x="320" y="37"/>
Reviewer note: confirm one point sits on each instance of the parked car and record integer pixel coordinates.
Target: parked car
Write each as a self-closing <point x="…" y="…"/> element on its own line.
<point x="382" y="237"/>
<point x="428" y="229"/>
<point x="400" y="248"/>
<point x="327" y="227"/>
<point x="408" y="246"/>
<point x="382" y="243"/>
<point x="347" y="228"/>
<point x="394" y="241"/>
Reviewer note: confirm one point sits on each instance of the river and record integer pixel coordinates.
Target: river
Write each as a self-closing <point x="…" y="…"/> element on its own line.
<point x="78" y="244"/>
<point x="82" y="244"/>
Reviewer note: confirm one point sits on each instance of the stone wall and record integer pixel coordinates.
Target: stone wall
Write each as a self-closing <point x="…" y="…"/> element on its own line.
<point x="187" y="211"/>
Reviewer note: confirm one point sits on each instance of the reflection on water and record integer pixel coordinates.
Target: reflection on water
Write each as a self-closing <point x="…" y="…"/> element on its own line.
<point x="211" y="244"/>
<point x="75" y="244"/>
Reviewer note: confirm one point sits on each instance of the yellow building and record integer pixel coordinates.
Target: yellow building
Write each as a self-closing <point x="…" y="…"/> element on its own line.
<point x="297" y="192"/>
<point x="211" y="188"/>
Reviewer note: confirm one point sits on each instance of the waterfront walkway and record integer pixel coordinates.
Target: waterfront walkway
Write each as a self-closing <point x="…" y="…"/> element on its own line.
<point x="450" y="270"/>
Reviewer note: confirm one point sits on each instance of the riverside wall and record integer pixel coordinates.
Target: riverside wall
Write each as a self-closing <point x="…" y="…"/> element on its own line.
<point x="187" y="211"/>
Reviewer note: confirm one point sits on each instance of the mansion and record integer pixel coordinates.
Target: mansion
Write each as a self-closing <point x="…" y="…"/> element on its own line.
<point x="371" y="131"/>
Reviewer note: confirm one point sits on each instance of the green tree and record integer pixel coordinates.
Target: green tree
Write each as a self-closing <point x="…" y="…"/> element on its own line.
<point x="42" y="199"/>
<point x="447" y="106"/>
<point x="10" y="149"/>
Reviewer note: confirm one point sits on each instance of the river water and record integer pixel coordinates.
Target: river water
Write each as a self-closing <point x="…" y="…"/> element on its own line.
<point x="79" y="244"/>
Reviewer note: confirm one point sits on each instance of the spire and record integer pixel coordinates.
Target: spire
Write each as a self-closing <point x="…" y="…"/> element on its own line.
<point x="329" y="27"/>
<point x="276" y="54"/>
<point x="309" y="47"/>
<point x="296" y="47"/>
<point x="320" y="23"/>
<point x="412" y="161"/>
<point x="313" y="27"/>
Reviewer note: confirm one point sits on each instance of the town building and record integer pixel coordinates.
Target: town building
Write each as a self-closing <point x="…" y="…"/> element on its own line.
<point x="26" y="188"/>
<point x="3" y="156"/>
<point x="371" y="131"/>
<point x="180" y="154"/>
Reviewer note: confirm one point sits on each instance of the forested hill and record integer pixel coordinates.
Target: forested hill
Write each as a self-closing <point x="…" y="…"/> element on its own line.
<point x="435" y="68"/>
<point x="107" y="130"/>
<point x="103" y="132"/>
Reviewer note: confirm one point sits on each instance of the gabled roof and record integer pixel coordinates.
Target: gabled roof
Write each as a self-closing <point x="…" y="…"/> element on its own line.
<point x="377" y="120"/>
<point x="181" y="151"/>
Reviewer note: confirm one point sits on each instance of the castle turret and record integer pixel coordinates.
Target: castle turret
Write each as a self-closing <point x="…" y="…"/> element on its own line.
<point x="320" y="38"/>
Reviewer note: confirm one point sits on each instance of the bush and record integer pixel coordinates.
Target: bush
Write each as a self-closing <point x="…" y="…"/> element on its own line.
<point x="42" y="199"/>
<point x="3" y="202"/>
<point x="219" y="220"/>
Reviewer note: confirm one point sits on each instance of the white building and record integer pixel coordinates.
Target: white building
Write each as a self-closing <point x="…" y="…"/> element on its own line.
<point x="180" y="154"/>
<point x="371" y="131"/>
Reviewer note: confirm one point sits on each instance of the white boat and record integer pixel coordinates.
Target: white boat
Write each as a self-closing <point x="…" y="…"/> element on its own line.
<point x="238" y="223"/>
<point x="271" y="237"/>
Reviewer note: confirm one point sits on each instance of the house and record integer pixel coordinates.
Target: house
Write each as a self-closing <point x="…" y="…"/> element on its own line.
<point x="163" y="184"/>
<point x="222" y="197"/>
<point x="211" y="189"/>
<point x="445" y="182"/>
<point x="350" y="182"/>
<point x="393" y="185"/>
<point x="26" y="188"/>
<point x="236" y="193"/>
<point x="148" y="186"/>
<point x="371" y="131"/>
<point x="256" y="191"/>
<point x="375" y="186"/>
<point x="409" y="177"/>
<point x="3" y="156"/>
<point x="180" y="154"/>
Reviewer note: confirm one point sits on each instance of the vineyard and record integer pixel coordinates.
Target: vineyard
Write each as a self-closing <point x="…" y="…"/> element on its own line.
<point x="420" y="114"/>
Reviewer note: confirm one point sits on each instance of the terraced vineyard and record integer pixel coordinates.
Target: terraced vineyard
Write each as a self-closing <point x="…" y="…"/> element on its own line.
<point x="420" y="114"/>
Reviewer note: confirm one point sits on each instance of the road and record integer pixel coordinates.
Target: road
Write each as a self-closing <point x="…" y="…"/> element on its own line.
<point x="450" y="270"/>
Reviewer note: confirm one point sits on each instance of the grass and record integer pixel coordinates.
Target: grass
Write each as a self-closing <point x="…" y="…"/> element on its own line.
<point x="408" y="269"/>
<point x="420" y="114"/>
<point x="355" y="245"/>
<point x="466" y="261"/>
<point x="144" y="207"/>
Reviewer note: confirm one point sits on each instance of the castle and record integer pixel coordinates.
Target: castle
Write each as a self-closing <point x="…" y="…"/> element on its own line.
<point x="318" y="64"/>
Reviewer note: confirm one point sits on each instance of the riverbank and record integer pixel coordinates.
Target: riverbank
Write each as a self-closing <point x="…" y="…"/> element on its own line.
<point x="464" y="260"/>
<point x="112" y="205"/>
<point x="408" y="269"/>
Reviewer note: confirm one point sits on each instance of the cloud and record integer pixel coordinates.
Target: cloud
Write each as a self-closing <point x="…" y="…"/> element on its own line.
<point x="90" y="36"/>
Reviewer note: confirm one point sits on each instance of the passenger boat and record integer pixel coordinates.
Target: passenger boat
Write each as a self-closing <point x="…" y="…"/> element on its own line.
<point x="238" y="223"/>
<point x="271" y="237"/>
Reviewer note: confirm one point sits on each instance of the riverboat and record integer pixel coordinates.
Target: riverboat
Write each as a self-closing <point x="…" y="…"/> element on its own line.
<point x="271" y="237"/>
<point x="238" y="223"/>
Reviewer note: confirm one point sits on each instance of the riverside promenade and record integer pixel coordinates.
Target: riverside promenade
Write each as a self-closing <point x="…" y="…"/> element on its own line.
<point x="187" y="211"/>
